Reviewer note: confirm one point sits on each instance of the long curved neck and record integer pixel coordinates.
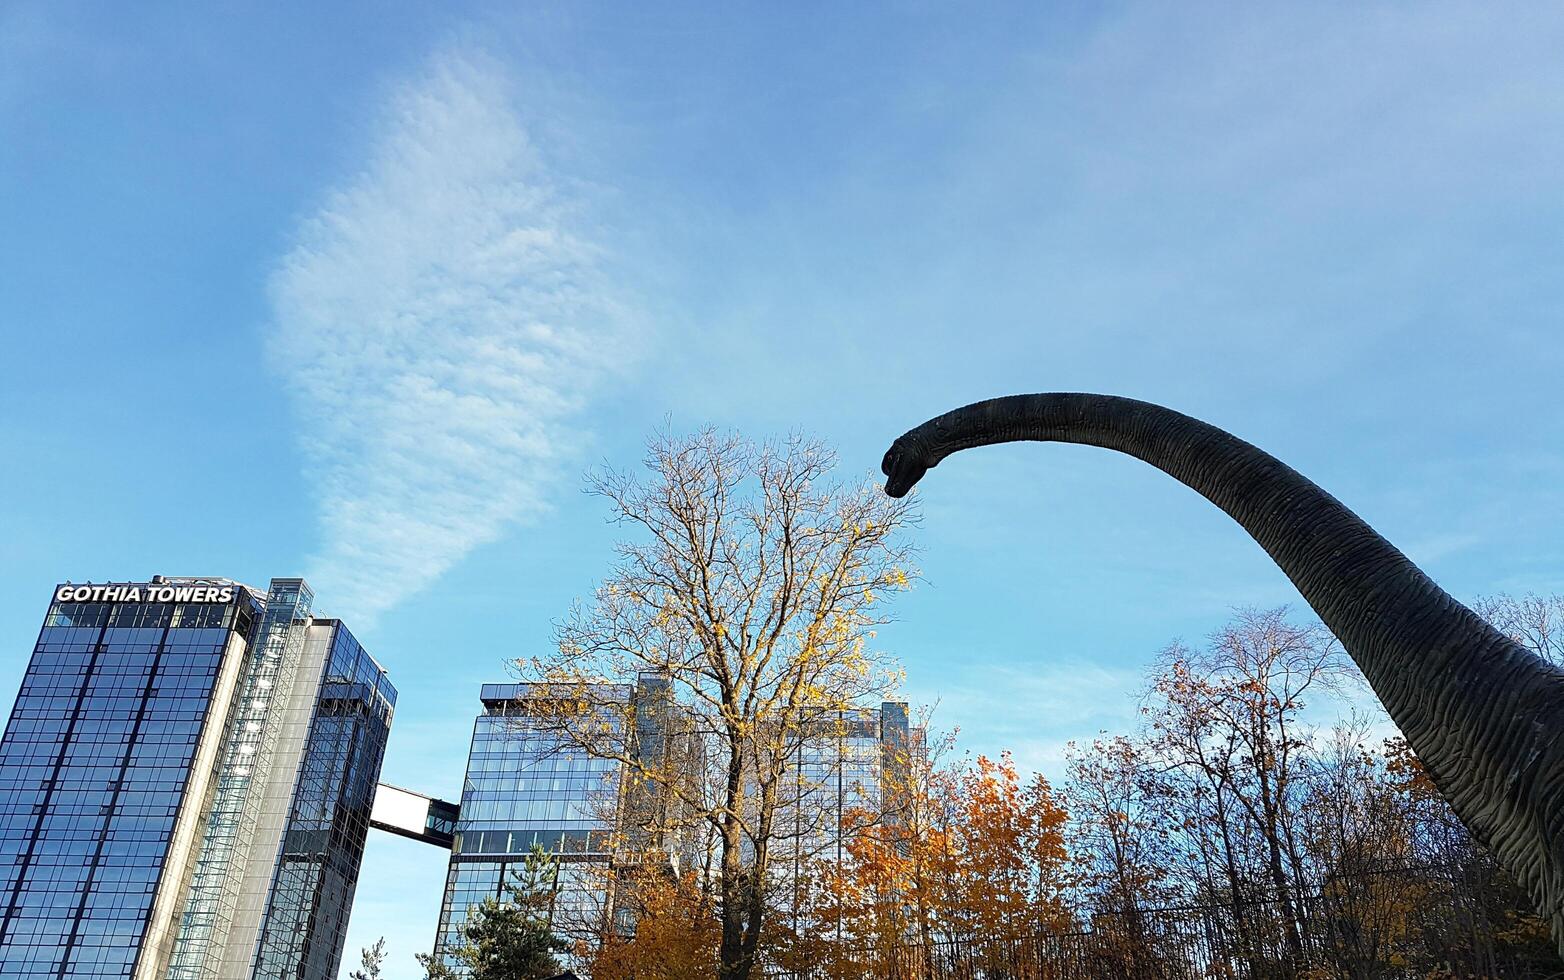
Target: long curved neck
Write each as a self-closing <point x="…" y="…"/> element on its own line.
<point x="1342" y="567"/>
<point x="1483" y="714"/>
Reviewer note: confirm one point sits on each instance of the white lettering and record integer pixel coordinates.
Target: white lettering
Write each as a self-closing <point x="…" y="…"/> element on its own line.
<point x="131" y="592"/>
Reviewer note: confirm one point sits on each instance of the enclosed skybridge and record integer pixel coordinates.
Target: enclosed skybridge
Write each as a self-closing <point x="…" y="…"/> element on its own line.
<point x="422" y="818"/>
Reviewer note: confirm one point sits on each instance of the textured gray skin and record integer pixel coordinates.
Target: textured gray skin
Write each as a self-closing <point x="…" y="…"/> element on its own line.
<point x="1484" y="715"/>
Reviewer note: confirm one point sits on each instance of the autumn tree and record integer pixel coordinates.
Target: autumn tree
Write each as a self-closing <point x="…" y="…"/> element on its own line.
<point x="922" y="807"/>
<point x="847" y="916"/>
<point x="883" y="889"/>
<point x="1228" y="814"/>
<point x="1227" y="726"/>
<point x="673" y="932"/>
<point x="968" y="854"/>
<point x="1399" y="885"/>
<point x="1116" y="834"/>
<point x="1474" y="913"/>
<point x="1121" y="844"/>
<point x="1009" y="873"/>
<point x="1359" y="835"/>
<point x="752" y="585"/>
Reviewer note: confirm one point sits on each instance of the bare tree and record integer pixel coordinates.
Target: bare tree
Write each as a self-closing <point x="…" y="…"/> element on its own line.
<point x="1117" y="831"/>
<point x="1534" y="621"/>
<point x="1228" y="727"/>
<point x="752" y="589"/>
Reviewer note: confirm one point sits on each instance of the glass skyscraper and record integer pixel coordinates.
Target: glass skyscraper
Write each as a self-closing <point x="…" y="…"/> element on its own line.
<point x="185" y="784"/>
<point x="311" y="888"/>
<point x="526" y="787"/>
<point x="856" y="761"/>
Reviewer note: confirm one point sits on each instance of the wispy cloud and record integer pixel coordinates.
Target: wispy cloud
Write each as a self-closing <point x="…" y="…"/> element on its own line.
<point x="1035" y="712"/>
<point x="440" y="320"/>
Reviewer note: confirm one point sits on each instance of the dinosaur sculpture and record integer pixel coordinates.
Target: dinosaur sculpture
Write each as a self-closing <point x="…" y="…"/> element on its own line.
<point x="1485" y="716"/>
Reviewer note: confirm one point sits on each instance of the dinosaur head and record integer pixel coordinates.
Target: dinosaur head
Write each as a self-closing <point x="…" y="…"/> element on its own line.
<point x="904" y="465"/>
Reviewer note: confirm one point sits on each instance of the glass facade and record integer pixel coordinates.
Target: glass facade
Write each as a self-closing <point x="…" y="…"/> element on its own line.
<point x="845" y="774"/>
<point x="849" y="766"/>
<point x="524" y="787"/>
<point x="228" y="839"/>
<point x="93" y="772"/>
<point x="306" y="916"/>
<point x="144" y="750"/>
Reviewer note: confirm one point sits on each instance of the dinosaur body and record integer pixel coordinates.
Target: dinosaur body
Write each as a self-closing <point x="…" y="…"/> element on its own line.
<point x="1485" y="716"/>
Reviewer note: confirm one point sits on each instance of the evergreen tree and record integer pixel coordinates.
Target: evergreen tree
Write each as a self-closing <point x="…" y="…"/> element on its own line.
<point x="509" y="939"/>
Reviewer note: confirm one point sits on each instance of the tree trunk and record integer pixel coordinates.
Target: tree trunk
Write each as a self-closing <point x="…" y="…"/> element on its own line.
<point x="730" y="960"/>
<point x="1484" y="715"/>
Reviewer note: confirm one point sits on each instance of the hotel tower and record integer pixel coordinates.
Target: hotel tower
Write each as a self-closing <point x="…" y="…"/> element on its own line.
<point x="185" y="784"/>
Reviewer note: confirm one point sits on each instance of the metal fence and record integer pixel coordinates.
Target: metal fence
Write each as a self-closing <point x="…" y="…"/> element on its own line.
<point x="1338" y="937"/>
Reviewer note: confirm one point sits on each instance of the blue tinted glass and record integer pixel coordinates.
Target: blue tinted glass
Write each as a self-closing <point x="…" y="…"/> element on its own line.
<point x="323" y="844"/>
<point x="525" y="788"/>
<point x="93" y="768"/>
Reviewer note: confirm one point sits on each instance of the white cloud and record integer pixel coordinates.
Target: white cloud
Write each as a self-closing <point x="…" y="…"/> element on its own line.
<point x="440" y="320"/>
<point x="1034" y="712"/>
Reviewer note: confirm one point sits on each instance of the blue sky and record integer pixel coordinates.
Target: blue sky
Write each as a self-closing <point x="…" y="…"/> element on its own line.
<point x="360" y="291"/>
